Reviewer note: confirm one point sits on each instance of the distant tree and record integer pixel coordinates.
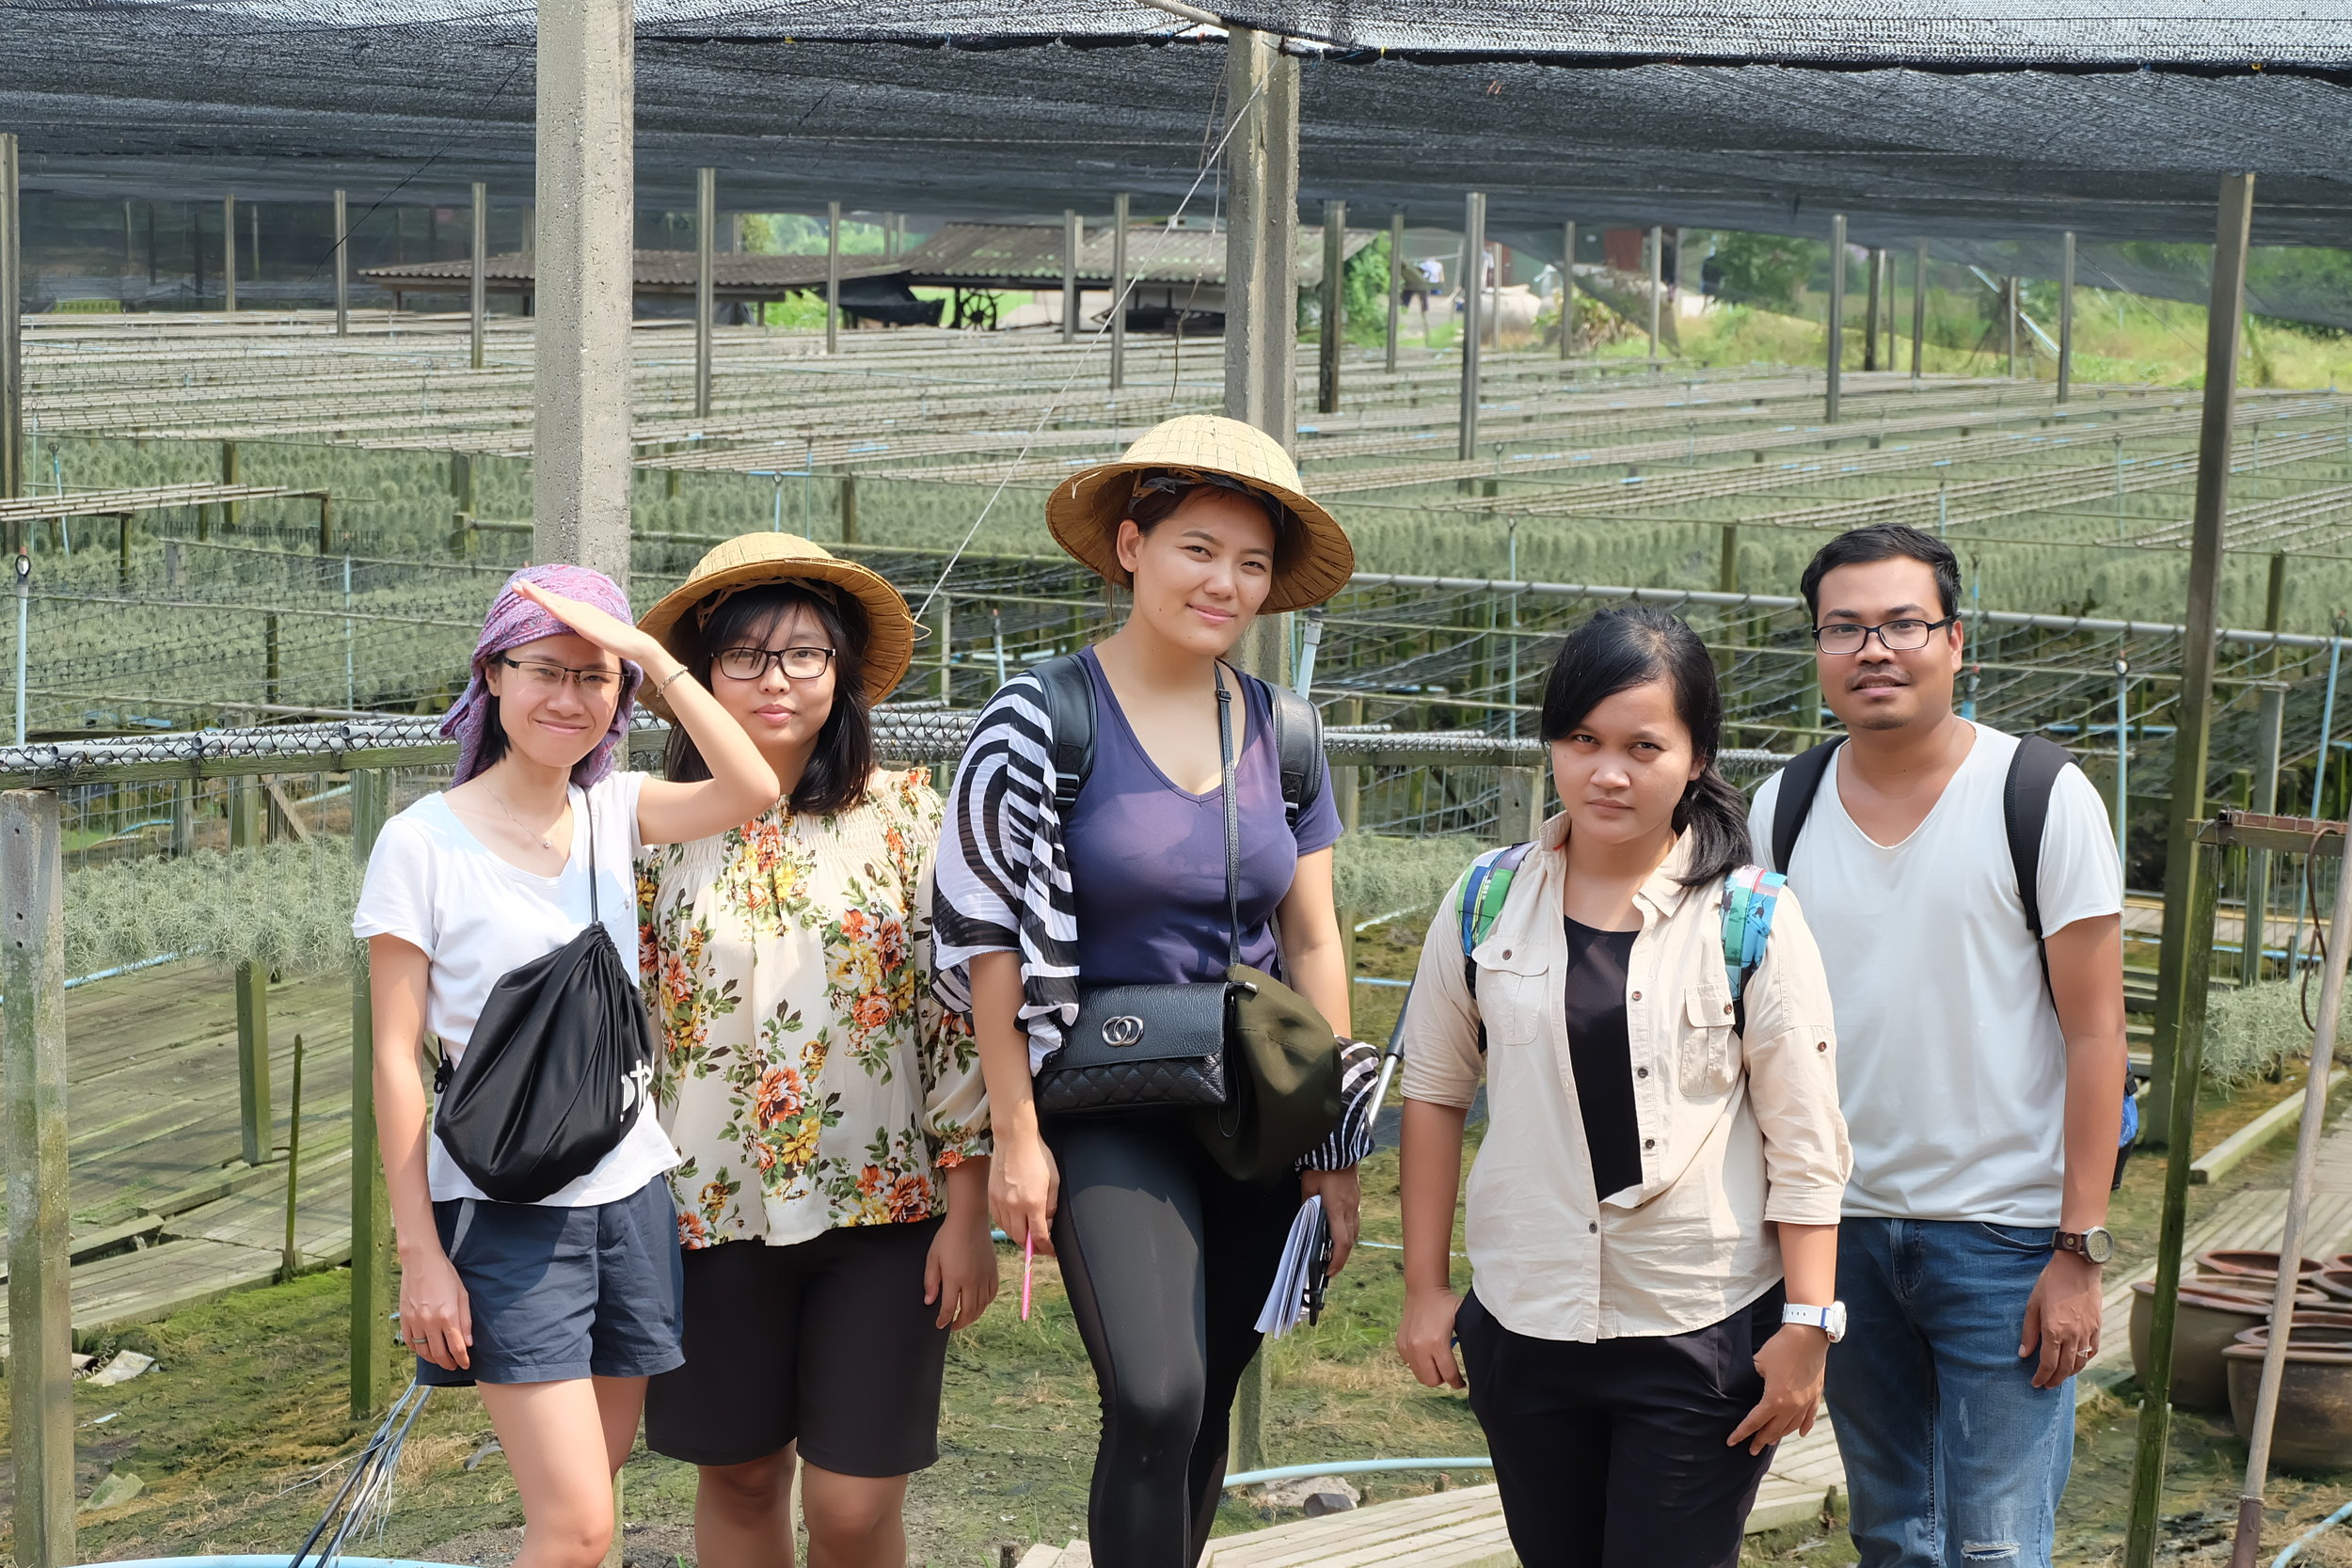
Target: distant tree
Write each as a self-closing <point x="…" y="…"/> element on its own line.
<point x="1764" y="269"/>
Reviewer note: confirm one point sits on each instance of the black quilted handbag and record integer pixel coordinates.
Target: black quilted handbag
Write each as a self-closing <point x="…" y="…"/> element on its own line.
<point x="1165" y="1047"/>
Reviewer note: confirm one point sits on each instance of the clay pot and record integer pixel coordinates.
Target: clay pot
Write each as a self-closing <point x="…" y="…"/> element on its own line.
<point x="2320" y="1329"/>
<point x="2335" y="1279"/>
<point x="2247" y="1263"/>
<point x="2209" y="1319"/>
<point x="2313" y="1428"/>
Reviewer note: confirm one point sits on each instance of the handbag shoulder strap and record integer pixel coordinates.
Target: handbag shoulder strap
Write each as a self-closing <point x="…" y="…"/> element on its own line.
<point x="1233" y="820"/>
<point x="588" y="803"/>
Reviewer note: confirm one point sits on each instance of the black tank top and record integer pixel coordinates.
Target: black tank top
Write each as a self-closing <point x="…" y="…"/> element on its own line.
<point x="1600" y="1055"/>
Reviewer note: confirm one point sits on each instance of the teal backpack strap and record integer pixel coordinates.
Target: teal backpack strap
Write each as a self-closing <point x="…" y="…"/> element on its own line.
<point x="1750" y="895"/>
<point x="1483" y="894"/>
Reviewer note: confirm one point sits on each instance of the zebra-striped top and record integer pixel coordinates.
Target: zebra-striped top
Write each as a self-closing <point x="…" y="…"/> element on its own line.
<point x="1002" y="884"/>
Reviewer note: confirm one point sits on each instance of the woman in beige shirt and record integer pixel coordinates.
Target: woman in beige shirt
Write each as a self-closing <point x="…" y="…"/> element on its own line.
<point x="1660" y="1152"/>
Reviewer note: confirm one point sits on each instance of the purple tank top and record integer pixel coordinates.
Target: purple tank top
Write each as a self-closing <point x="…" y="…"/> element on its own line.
<point x="1147" y="860"/>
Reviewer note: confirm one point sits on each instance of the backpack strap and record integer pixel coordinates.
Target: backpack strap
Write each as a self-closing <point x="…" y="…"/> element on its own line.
<point x="1070" y="708"/>
<point x="2033" y="773"/>
<point x="1800" y="780"/>
<point x="1298" y="743"/>
<point x="1483" y="894"/>
<point x="1751" y="897"/>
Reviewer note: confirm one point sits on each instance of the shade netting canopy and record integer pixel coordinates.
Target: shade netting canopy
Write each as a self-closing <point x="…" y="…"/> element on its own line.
<point x="1960" y="119"/>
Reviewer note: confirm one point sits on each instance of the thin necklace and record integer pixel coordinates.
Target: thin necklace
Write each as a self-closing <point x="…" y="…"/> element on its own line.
<point x="545" y="841"/>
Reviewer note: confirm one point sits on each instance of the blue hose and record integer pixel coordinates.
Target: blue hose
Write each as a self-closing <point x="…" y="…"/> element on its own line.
<point x="2338" y="1518"/>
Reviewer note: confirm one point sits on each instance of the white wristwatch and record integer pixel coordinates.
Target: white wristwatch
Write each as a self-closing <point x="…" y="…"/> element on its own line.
<point x="1830" y="1320"/>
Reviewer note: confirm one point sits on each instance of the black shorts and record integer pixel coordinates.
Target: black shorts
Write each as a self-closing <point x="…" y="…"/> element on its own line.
<point x="564" y="1292"/>
<point x="826" y="1342"/>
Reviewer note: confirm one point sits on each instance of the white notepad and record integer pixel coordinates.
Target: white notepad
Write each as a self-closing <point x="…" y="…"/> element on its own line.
<point x="1286" y="1302"/>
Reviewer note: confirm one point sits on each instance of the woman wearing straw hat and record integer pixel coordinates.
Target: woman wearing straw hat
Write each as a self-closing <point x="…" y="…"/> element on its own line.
<point x="1128" y="881"/>
<point x="831" y="1184"/>
<point x="560" y="1306"/>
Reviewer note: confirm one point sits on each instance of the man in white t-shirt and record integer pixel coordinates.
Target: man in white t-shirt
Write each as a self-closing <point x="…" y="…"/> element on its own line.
<point x="1983" y="1105"/>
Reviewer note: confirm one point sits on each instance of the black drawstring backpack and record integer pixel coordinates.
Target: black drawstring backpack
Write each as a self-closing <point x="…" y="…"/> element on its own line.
<point x="561" y="1063"/>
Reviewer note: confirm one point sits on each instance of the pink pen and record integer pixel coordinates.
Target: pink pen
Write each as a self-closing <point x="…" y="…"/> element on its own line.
<point x="1028" y="1258"/>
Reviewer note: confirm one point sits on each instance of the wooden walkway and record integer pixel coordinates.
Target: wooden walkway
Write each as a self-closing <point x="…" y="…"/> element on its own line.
<point x="166" y="1213"/>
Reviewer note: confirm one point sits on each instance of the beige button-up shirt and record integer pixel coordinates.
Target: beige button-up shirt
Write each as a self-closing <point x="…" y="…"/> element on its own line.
<point x="1734" y="1132"/>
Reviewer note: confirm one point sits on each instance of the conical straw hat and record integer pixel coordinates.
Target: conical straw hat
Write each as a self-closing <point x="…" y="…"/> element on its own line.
<point x="1313" y="558"/>
<point x="756" y="559"/>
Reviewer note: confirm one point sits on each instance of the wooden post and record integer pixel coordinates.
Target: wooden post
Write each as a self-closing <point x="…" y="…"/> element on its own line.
<point x="32" y="1083"/>
<point x="252" y="979"/>
<point x="2268" y="742"/>
<point x="833" y="277"/>
<point x="1473" y="288"/>
<point x="1568" y="290"/>
<point x="1118" y="291"/>
<point x="1334" y="331"/>
<point x="229" y="255"/>
<point x="290" y="1256"/>
<point x="122" y="552"/>
<point x="2176" y="998"/>
<point x="232" y="513"/>
<point x="947" y="639"/>
<point x="2066" y="320"/>
<point x="849" y="509"/>
<point x="1836" y="355"/>
<point x="342" y="263"/>
<point x="2156" y="1381"/>
<point x="371" y="1212"/>
<point x="478" y="301"/>
<point x="1657" y="287"/>
<point x="706" y="223"/>
<point x="11" y="335"/>
<point x="2009" y="322"/>
<point x="1396" y="279"/>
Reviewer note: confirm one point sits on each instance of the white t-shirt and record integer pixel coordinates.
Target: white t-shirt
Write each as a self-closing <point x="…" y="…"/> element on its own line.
<point x="1951" y="1067"/>
<point x="432" y="884"/>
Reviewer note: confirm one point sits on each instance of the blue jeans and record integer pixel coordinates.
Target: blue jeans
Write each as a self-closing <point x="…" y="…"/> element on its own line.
<point x="1953" y="1457"/>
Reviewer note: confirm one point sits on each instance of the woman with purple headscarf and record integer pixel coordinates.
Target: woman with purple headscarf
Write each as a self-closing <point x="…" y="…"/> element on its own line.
<point x="559" y="1310"/>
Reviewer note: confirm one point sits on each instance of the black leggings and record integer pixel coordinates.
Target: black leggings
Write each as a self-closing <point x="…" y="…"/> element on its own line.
<point x="1167" y="1262"/>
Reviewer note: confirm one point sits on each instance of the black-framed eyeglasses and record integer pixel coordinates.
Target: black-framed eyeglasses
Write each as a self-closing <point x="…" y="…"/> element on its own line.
<point x="554" y="677"/>
<point x="1897" y="637"/>
<point x="751" y="664"/>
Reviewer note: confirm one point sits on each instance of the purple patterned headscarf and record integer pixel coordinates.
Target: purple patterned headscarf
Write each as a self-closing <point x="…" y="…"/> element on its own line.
<point x="514" y="620"/>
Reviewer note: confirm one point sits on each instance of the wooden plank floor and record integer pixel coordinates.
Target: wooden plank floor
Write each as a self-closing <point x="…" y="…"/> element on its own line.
<point x="153" y="1130"/>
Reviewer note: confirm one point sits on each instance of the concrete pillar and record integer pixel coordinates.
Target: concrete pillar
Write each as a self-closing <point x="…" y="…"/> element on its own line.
<point x="12" y="342"/>
<point x="1396" y="280"/>
<point x="1836" y="355"/>
<point x="1919" y="308"/>
<point x="229" y="254"/>
<point x="1657" y="287"/>
<point x="2066" y="320"/>
<point x="1474" y="292"/>
<point x="1568" y="290"/>
<point x="833" y="277"/>
<point x="705" y="225"/>
<point x="1519" y="806"/>
<point x="478" y="298"/>
<point x="1262" y="273"/>
<point x="1870" y="330"/>
<point x="1262" y="233"/>
<point x="1118" y="291"/>
<point x="586" y="277"/>
<point x="342" y="265"/>
<point x="1334" y="333"/>
<point x="41" y="1208"/>
<point x="1072" y="236"/>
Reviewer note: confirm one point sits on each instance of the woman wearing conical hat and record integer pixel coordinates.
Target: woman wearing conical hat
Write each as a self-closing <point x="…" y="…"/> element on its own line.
<point x="829" y="1116"/>
<point x="1051" y="884"/>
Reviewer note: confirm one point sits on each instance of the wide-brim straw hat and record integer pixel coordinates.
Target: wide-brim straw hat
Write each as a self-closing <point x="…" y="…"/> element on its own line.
<point x="1312" y="557"/>
<point x="757" y="560"/>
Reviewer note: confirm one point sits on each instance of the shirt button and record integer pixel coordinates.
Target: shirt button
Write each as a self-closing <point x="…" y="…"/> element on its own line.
<point x="1822" y="1045"/>
<point x="1726" y="1006"/>
<point x="1637" y="996"/>
<point x="1641" y="1072"/>
<point x="1649" y="1142"/>
<point x="1593" y="1227"/>
<point x="1506" y="951"/>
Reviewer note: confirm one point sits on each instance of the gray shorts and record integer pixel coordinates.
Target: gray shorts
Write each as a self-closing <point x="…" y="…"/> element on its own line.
<point x="565" y="1292"/>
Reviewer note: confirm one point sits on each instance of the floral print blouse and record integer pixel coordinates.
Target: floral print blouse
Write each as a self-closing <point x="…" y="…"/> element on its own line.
<point x="807" y="1074"/>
